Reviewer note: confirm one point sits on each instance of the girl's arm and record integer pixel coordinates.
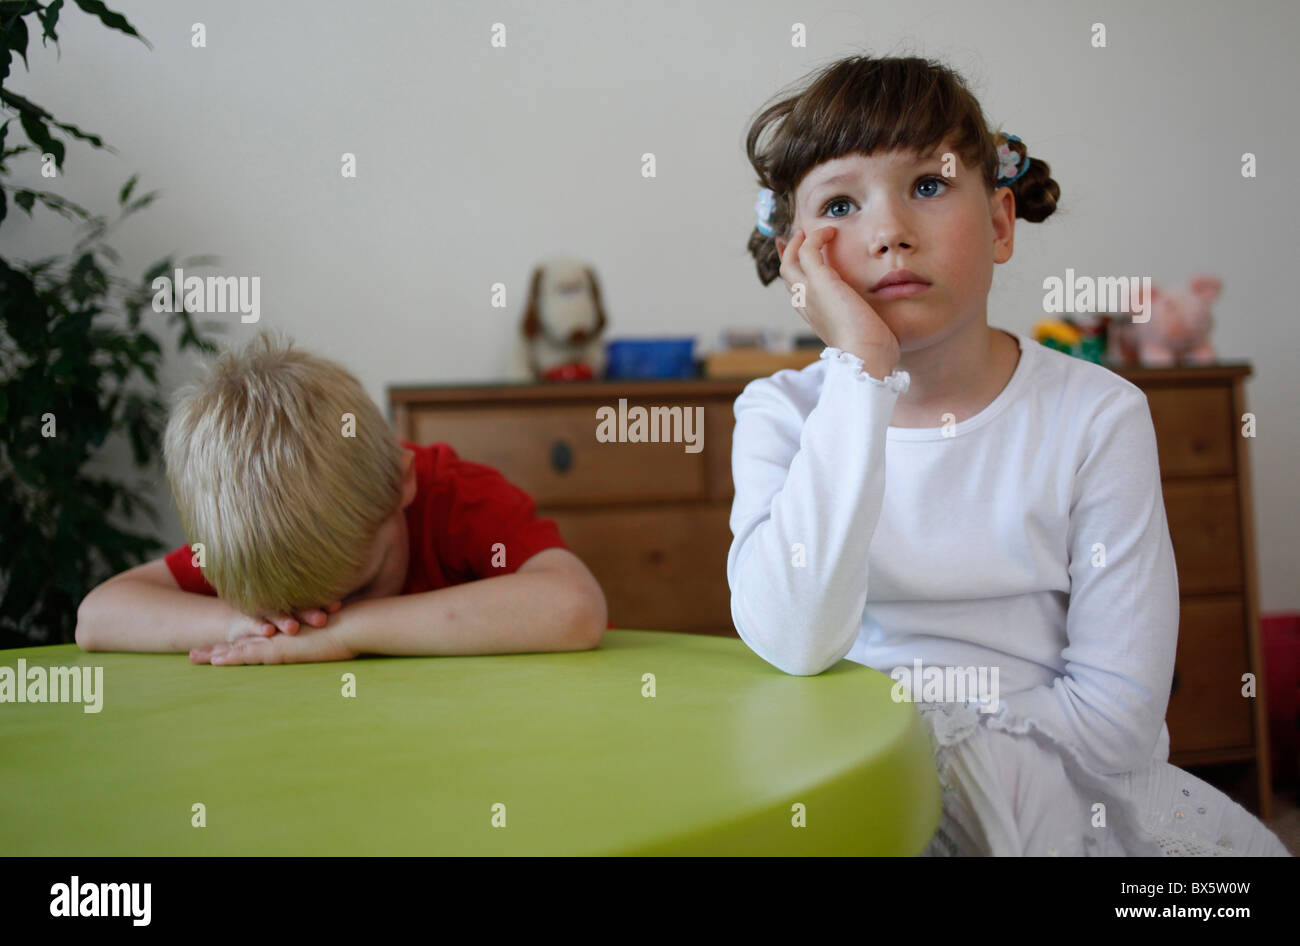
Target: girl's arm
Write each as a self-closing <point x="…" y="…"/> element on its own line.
<point x="1122" y="623"/>
<point x="809" y="473"/>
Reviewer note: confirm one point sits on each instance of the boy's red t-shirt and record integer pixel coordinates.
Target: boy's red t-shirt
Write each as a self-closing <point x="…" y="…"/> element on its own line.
<point x="460" y="511"/>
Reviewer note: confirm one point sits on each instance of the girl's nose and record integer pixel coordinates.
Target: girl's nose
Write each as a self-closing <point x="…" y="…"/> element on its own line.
<point x="891" y="243"/>
<point x="888" y="225"/>
<point x="888" y="233"/>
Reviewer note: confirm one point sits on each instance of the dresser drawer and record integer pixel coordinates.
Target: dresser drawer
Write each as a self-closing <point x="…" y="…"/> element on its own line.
<point x="1207" y="711"/>
<point x="661" y="569"/>
<point x="551" y="452"/>
<point x="1194" y="430"/>
<point x="720" y="422"/>
<point x="1205" y="528"/>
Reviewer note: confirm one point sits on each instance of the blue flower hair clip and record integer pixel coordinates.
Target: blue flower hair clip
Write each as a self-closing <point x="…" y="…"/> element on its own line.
<point x="1007" y="162"/>
<point x="764" y="206"/>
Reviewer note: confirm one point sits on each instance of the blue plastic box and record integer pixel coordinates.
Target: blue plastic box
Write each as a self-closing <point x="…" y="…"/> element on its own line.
<point x="651" y="358"/>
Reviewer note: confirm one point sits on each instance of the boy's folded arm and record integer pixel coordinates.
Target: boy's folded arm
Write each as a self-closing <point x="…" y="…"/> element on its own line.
<point x="551" y="603"/>
<point x="143" y="610"/>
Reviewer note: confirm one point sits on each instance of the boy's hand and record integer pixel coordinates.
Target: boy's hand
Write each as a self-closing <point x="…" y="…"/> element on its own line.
<point x="245" y="626"/>
<point x="291" y="623"/>
<point x="317" y="645"/>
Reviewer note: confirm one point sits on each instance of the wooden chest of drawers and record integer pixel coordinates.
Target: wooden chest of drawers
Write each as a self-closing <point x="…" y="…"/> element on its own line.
<point x="1206" y="479"/>
<point x="652" y="522"/>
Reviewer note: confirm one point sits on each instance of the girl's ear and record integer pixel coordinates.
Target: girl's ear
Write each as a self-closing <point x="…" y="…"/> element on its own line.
<point x="780" y="247"/>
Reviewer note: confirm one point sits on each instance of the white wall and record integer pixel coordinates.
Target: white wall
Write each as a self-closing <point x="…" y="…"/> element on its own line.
<point x="475" y="162"/>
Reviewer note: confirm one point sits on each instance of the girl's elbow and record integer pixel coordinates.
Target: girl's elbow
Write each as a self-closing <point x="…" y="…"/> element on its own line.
<point x="782" y="641"/>
<point x="802" y="664"/>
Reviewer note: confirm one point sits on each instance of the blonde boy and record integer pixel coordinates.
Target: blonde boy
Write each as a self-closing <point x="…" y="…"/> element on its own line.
<point x="316" y="534"/>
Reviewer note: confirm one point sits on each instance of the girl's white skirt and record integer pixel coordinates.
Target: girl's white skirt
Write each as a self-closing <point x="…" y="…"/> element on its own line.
<point x="1009" y="789"/>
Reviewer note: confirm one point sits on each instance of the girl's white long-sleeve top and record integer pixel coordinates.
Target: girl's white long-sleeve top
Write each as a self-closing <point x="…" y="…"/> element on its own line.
<point x="1031" y="537"/>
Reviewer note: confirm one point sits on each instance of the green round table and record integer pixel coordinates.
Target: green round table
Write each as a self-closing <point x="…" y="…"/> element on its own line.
<point x="729" y="756"/>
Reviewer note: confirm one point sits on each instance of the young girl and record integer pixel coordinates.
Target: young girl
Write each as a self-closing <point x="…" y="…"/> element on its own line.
<point x="939" y="490"/>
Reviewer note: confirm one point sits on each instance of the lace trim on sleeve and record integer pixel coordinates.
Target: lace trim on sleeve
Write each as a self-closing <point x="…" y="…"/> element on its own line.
<point x="898" y="382"/>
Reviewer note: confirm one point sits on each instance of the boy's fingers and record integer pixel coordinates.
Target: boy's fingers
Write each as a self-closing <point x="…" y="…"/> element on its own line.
<point x="292" y="623"/>
<point x="284" y="622"/>
<point x="231" y="652"/>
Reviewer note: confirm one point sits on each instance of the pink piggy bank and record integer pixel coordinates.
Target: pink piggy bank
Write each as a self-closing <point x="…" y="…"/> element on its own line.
<point x="1178" y="329"/>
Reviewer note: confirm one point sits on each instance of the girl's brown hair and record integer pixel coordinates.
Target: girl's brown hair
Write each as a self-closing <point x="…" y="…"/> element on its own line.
<point x="861" y="105"/>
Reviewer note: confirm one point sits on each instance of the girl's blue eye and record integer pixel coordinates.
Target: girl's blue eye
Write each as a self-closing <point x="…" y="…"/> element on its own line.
<point x="933" y="177"/>
<point x="838" y="200"/>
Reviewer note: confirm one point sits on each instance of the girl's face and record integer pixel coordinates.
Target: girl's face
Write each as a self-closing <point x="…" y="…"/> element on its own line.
<point x="894" y="211"/>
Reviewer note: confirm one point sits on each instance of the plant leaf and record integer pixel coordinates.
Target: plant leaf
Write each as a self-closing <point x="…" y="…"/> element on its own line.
<point x="30" y="111"/>
<point x="49" y="19"/>
<point x="141" y="203"/>
<point x="40" y="135"/>
<point x="109" y="18"/>
<point x="15" y="36"/>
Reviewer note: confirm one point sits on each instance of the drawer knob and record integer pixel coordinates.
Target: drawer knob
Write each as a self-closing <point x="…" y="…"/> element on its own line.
<point x="561" y="456"/>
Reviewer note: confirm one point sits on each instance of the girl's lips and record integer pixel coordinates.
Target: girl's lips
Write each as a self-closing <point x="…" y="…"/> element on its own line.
<point x="901" y="290"/>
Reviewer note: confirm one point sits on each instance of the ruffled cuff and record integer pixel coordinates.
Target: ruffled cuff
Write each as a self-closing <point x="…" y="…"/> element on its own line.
<point x="898" y="382"/>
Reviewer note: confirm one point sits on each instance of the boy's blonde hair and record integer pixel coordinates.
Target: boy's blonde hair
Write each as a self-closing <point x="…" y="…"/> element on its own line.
<point x="284" y="493"/>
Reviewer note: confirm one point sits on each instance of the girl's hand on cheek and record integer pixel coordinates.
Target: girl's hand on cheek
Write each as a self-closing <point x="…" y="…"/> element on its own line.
<point x="832" y="308"/>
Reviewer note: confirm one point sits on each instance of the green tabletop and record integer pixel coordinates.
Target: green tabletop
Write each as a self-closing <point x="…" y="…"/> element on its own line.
<point x="727" y="757"/>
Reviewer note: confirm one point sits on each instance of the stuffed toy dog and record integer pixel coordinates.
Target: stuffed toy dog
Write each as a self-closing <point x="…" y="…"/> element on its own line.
<point x="563" y="322"/>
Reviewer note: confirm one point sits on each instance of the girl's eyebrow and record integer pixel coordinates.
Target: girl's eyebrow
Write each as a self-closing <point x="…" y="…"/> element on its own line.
<point x="833" y="179"/>
<point x="852" y="175"/>
<point x="836" y="178"/>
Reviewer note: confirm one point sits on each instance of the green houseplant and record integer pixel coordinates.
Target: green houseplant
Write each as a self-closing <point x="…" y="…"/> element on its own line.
<point x="76" y="367"/>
